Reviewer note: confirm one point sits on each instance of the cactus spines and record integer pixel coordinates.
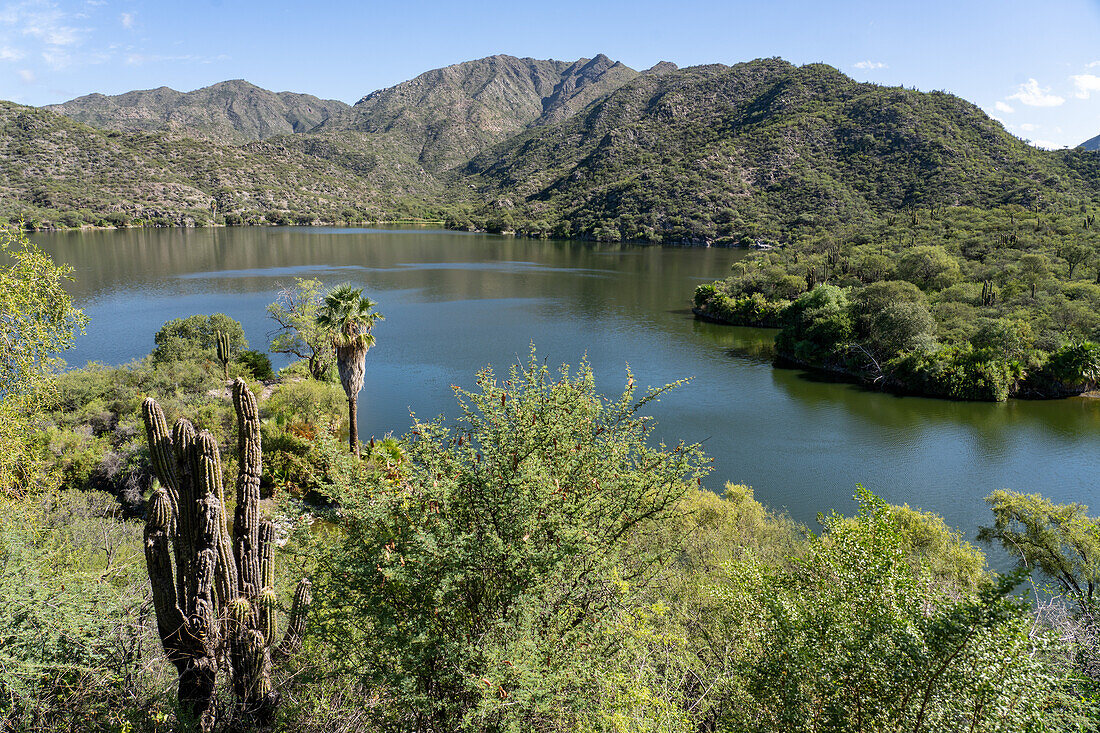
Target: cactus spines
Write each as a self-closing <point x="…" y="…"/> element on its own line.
<point x="246" y="521"/>
<point x="303" y="597"/>
<point x="160" y="445"/>
<point x="224" y="352"/>
<point x="269" y="618"/>
<point x="213" y="592"/>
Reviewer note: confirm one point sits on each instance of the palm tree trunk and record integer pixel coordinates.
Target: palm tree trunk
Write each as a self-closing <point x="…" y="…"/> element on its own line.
<point x="353" y="425"/>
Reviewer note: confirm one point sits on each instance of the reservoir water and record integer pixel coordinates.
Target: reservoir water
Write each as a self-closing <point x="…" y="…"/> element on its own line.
<point x="455" y="303"/>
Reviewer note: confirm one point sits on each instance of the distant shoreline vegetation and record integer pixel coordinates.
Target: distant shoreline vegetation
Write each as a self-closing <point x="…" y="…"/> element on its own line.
<point x="959" y="303"/>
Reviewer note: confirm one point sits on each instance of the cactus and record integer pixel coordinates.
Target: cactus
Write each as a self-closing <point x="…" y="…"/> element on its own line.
<point x="213" y="593"/>
<point x="223" y="352"/>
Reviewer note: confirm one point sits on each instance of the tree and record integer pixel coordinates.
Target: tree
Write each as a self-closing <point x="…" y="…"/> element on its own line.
<point x="348" y="319"/>
<point x="892" y="317"/>
<point x="196" y="338"/>
<point x="1034" y="268"/>
<point x="477" y="577"/>
<point x="1076" y="254"/>
<point x="37" y="320"/>
<point x="1060" y="540"/>
<point x="929" y="267"/>
<point x="299" y="334"/>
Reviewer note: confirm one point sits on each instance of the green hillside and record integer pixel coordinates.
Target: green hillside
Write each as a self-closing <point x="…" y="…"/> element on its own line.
<point x="735" y="154"/>
<point x="760" y="152"/>
<point x="63" y="173"/>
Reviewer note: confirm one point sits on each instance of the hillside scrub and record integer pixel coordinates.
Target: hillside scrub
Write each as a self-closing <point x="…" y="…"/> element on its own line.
<point x="754" y="154"/>
<point x="538" y="563"/>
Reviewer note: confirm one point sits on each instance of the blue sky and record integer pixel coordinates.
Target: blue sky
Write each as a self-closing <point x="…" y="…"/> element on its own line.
<point x="1034" y="66"/>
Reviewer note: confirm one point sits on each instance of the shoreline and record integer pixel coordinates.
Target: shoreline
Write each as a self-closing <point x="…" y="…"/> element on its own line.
<point x="884" y="383"/>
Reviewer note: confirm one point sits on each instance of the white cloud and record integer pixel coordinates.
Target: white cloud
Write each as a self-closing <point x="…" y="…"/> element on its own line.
<point x="140" y="59"/>
<point x="1086" y="84"/>
<point x="10" y="54"/>
<point x="1029" y="127"/>
<point x="1093" y="65"/>
<point x="127" y="20"/>
<point x="49" y="26"/>
<point x="1031" y="94"/>
<point x="1046" y="144"/>
<point x="870" y="65"/>
<point x="26" y="75"/>
<point x="56" y="58"/>
<point x="1002" y="107"/>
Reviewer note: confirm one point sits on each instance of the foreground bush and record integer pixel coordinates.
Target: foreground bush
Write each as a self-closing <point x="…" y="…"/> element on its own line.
<point x="477" y="581"/>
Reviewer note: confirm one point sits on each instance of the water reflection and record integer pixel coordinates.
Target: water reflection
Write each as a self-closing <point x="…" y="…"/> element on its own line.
<point x="456" y="302"/>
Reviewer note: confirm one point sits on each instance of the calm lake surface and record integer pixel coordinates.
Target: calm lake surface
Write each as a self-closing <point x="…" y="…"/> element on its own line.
<point x="455" y="303"/>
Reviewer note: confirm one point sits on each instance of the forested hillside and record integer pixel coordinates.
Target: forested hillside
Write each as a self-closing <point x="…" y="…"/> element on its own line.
<point x="738" y="155"/>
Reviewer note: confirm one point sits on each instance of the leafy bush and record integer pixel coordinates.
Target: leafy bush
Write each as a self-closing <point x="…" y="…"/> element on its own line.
<point x="817" y="327"/>
<point x="479" y="572"/>
<point x="257" y="363"/>
<point x="196" y="338"/>
<point x="857" y="638"/>
<point x="1075" y="365"/>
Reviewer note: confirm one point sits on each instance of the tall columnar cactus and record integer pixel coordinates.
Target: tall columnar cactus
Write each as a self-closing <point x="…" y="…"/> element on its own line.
<point x="224" y="352"/>
<point x="213" y="593"/>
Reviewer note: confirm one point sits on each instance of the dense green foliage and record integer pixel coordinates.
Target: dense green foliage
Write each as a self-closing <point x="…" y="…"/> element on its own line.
<point x="195" y="338"/>
<point x="504" y="542"/>
<point x="539" y="564"/>
<point x="91" y="431"/>
<point x="37" y="320"/>
<point x="954" y="302"/>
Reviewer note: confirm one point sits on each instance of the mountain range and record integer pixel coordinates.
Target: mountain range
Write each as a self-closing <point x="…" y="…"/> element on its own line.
<point x="229" y="112"/>
<point x="585" y="148"/>
<point x="1092" y="144"/>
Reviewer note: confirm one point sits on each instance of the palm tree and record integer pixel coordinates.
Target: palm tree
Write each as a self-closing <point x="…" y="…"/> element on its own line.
<point x="348" y="319"/>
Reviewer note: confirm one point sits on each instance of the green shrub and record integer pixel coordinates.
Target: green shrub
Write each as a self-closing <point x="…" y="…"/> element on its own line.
<point x="478" y="581"/>
<point x="319" y="404"/>
<point x="196" y="338"/>
<point x="257" y="363"/>
<point x="1075" y="365"/>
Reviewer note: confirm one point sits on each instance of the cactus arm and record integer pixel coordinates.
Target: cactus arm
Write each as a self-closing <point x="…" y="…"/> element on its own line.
<point x="251" y="663"/>
<point x="183" y="440"/>
<point x="223" y="352"/>
<point x="161" y="453"/>
<point x="207" y="470"/>
<point x="296" y="623"/>
<point x="246" y="520"/>
<point x="268" y="613"/>
<point x="170" y="619"/>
